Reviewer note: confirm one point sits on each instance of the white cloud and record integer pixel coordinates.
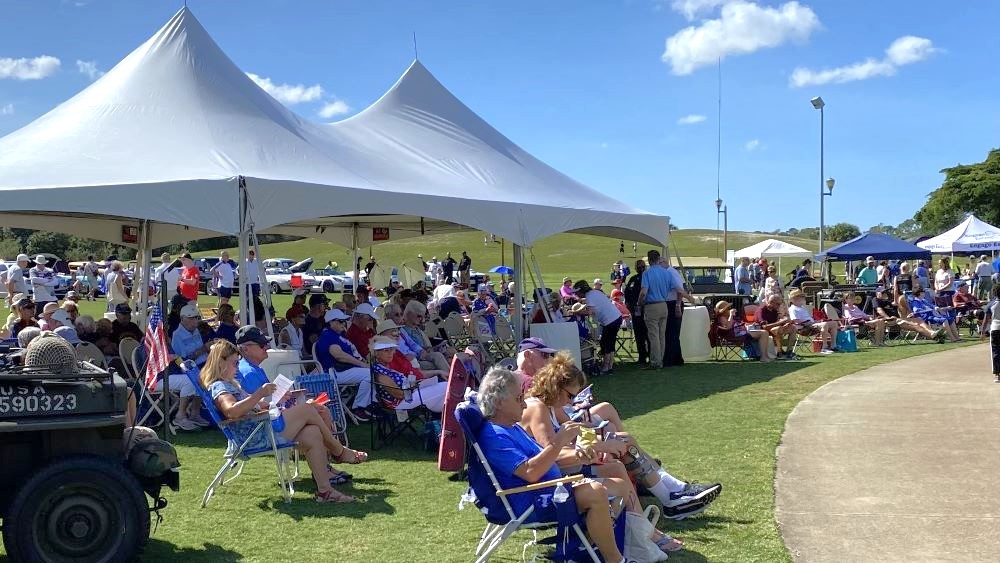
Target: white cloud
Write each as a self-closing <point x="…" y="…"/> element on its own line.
<point x="903" y="51"/>
<point x="289" y="94"/>
<point x="692" y="8"/>
<point x="691" y="119"/>
<point x="334" y="108"/>
<point x="89" y="68"/>
<point x="28" y="69"/>
<point x="7" y="109"/>
<point x="743" y="27"/>
<point x="909" y="49"/>
<point x="752" y="145"/>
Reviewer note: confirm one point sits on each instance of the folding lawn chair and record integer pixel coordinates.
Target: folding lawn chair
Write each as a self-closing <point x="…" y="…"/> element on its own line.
<point x="125" y="349"/>
<point x="388" y="424"/>
<point x="148" y="403"/>
<point x="502" y="522"/>
<point x="258" y="442"/>
<point x="725" y="346"/>
<point x="316" y="384"/>
<point x="88" y="352"/>
<point x="458" y="335"/>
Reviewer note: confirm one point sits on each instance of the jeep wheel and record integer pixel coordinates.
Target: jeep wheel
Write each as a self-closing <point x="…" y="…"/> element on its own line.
<point x="82" y="508"/>
<point x="275" y="288"/>
<point x="328" y="287"/>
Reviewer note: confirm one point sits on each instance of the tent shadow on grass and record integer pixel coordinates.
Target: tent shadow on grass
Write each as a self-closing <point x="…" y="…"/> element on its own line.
<point x="634" y="392"/>
<point x="163" y="551"/>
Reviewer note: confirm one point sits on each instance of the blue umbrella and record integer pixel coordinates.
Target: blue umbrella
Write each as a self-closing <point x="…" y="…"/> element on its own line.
<point x="504" y="270"/>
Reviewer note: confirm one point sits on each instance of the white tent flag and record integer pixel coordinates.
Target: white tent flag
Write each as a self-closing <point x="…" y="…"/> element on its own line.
<point x="773" y="248"/>
<point x="167" y="134"/>
<point x="971" y="235"/>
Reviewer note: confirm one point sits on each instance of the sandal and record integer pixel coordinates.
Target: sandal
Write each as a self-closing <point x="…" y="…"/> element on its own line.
<point x="668" y="544"/>
<point x="356" y="457"/>
<point x="333" y="496"/>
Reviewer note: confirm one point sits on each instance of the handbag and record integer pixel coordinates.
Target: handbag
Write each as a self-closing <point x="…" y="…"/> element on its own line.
<point x="638" y="529"/>
<point x="739" y="330"/>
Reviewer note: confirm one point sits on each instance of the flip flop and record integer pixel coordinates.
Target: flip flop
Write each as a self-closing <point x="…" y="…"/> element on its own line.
<point x="357" y="457"/>
<point x="668" y="544"/>
<point x="333" y="496"/>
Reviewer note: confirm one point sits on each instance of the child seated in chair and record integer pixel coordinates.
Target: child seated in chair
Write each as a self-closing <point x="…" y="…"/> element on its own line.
<point x="301" y="423"/>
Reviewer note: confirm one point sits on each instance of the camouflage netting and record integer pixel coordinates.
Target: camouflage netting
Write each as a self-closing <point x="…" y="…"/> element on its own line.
<point x="51" y="351"/>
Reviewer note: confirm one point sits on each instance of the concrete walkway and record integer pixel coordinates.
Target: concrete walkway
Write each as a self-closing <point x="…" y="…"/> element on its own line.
<point x="900" y="462"/>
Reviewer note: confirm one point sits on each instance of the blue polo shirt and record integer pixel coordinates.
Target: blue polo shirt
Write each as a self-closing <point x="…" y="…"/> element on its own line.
<point x="250" y="376"/>
<point x="507" y="448"/>
<point x="657" y="282"/>
<point x="743" y="288"/>
<point x="328" y="338"/>
<point x="184" y="343"/>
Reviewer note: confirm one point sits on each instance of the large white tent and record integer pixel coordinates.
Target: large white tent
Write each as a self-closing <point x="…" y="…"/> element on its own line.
<point x="168" y="132"/>
<point x="971" y="235"/>
<point x="178" y="142"/>
<point x="773" y="248"/>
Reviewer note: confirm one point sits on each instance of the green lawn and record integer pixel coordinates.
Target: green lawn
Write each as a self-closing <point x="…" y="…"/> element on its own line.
<point x="708" y="422"/>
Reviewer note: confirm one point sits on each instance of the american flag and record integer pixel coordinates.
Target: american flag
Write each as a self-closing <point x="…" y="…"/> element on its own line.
<point x="155" y="342"/>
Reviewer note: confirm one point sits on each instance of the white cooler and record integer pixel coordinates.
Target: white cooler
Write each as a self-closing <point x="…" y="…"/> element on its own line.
<point x="560" y="336"/>
<point x="285" y="362"/>
<point x="694" y="334"/>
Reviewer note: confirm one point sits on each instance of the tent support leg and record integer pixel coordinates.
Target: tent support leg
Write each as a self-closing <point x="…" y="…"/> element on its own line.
<point x="539" y="284"/>
<point x="518" y="293"/>
<point x="356" y="251"/>
<point x="246" y="301"/>
<point x="143" y="272"/>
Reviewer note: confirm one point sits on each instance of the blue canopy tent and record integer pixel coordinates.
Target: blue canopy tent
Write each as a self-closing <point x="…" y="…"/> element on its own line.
<point x="879" y="245"/>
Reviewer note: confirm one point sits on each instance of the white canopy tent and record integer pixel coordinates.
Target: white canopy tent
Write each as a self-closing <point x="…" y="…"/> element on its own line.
<point x="773" y="248"/>
<point x="971" y="235"/>
<point x="177" y="141"/>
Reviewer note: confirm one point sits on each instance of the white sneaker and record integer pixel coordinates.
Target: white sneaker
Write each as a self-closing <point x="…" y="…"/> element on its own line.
<point x="199" y="421"/>
<point x="826" y="351"/>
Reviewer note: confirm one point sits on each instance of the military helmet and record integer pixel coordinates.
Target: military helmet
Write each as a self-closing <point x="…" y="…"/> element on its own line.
<point x="152" y="457"/>
<point x="50" y="351"/>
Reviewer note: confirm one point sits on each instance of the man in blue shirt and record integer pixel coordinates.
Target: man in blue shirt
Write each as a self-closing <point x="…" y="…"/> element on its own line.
<point x="743" y="280"/>
<point x="868" y="275"/>
<point x="186" y="343"/>
<point x="656" y="285"/>
<point x="672" y="355"/>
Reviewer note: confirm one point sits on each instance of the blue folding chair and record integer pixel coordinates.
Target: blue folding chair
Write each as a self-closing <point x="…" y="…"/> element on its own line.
<point x="316" y="384"/>
<point x="240" y="448"/>
<point x="501" y="520"/>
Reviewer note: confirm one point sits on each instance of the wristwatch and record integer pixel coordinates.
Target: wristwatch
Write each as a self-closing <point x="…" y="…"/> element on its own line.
<point x="632" y="451"/>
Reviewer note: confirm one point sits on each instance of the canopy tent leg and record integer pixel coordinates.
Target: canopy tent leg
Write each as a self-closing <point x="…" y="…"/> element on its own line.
<point x="143" y="271"/>
<point x="539" y="285"/>
<point x="518" y="294"/>
<point x="356" y="251"/>
<point x="248" y="238"/>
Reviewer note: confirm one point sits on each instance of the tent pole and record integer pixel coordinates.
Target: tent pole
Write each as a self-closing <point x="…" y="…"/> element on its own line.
<point x="143" y="272"/>
<point x="539" y="284"/>
<point x="355" y="250"/>
<point x="246" y="300"/>
<point x="518" y="293"/>
<point x="265" y="291"/>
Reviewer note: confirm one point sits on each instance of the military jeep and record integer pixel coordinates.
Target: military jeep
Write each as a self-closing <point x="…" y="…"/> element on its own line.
<point x="69" y="491"/>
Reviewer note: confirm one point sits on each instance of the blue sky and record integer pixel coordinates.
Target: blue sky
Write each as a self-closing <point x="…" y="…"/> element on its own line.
<point x="600" y="88"/>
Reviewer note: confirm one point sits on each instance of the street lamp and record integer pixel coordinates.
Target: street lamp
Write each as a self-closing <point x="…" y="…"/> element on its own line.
<point x="818" y="103"/>
<point x="725" y="225"/>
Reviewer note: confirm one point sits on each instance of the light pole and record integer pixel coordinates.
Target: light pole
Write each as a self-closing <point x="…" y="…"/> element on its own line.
<point x="725" y="225"/>
<point x="818" y="103"/>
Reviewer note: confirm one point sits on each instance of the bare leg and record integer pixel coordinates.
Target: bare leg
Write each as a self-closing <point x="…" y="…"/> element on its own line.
<point x="130" y="411"/>
<point x="300" y="416"/>
<point x="608" y="412"/>
<point x="311" y="441"/>
<point x="592" y="501"/>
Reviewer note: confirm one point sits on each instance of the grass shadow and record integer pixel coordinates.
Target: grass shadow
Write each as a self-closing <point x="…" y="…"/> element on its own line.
<point x="371" y="499"/>
<point x="161" y="550"/>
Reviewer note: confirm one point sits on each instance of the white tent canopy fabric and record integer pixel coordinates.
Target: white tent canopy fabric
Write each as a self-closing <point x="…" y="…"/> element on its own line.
<point x="971" y="235"/>
<point x="167" y="134"/>
<point x="773" y="248"/>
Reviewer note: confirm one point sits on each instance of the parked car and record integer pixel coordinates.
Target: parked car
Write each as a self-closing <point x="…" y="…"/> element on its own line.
<point x="283" y="263"/>
<point x="280" y="280"/>
<point x="332" y="279"/>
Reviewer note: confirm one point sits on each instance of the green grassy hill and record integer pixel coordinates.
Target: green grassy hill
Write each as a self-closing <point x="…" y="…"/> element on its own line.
<point x="578" y="256"/>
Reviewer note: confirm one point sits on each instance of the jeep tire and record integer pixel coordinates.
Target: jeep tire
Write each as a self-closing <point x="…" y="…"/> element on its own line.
<point x="80" y="508"/>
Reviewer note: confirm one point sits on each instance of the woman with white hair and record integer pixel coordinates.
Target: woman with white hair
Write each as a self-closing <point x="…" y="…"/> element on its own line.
<point x="518" y="460"/>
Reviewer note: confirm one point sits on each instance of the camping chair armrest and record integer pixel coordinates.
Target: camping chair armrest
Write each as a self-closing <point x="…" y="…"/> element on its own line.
<point x="541" y="485"/>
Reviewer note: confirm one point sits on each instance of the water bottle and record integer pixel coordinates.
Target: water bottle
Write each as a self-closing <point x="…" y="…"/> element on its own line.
<point x="411" y="381"/>
<point x="560" y="495"/>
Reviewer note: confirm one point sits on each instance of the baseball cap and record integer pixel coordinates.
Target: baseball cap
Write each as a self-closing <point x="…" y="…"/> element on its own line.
<point x="597" y="281"/>
<point x="335" y="315"/>
<point x="190" y="311"/>
<point x="365" y="309"/>
<point x="62" y="316"/>
<point x="250" y="333"/>
<point x="299" y="292"/>
<point x="187" y="255"/>
<point x="72" y="294"/>
<point x="124" y="309"/>
<point x="383" y="342"/>
<point x="69" y="333"/>
<point x="535" y="343"/>
<point x="317" y="298"/>
<point x="483" y="287"/>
